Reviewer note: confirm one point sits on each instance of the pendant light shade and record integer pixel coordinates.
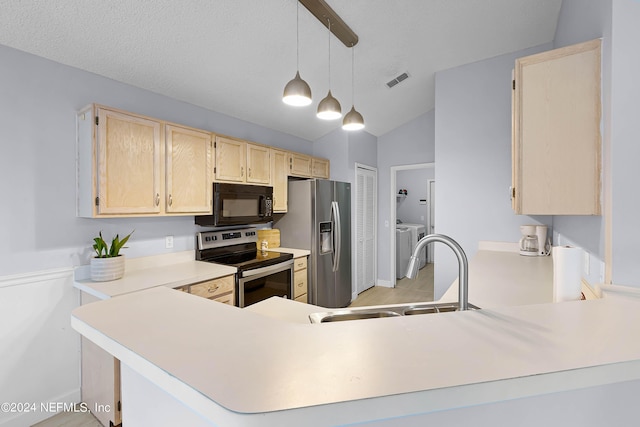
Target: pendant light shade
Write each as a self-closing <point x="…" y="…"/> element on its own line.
<point x="297" y="92"/>
<point x="352" y="120"/>
<point x="329" y="108"/>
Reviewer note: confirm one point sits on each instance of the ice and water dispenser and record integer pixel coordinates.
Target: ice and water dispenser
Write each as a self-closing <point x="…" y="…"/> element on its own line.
<point x="326" y="237"/>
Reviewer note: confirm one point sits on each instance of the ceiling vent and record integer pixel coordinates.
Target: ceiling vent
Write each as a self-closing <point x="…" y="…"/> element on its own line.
<point x="397" y="80"/>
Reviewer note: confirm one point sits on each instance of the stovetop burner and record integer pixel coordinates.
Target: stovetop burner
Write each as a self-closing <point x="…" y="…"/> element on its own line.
<point x="237" y="248"/>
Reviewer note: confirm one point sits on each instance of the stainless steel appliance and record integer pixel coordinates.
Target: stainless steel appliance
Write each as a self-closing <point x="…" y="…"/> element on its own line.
<point x="261" y="274"/>
<point x="319" y="219"/>
<point x="239" y="204"/>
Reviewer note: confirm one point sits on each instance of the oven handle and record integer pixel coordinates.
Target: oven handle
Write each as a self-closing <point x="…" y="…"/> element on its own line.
<point x="270" y="269"/>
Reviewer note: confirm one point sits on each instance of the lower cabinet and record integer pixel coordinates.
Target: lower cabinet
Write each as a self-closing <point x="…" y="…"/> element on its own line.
<point x="101" y="371"/>
<point x="300" y="279"/>
<point x="221" y="290"/>
<point x="100" y="380"/>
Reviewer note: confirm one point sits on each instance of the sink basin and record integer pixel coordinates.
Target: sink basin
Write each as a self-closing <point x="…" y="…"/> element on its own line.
<point x="380" y="312"/>
<point x="353" y="315"/>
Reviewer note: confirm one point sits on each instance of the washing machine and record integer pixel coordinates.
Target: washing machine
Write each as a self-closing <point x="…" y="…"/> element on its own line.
<point x="403" y="250"/>
<point x="417" y="233"/>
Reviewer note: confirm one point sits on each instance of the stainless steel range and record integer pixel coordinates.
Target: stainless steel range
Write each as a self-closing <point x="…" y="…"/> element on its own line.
<point x="261" y="274"/>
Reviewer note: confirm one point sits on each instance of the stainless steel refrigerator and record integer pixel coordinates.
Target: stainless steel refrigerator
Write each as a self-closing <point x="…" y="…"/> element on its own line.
<point x="318" y="218"/>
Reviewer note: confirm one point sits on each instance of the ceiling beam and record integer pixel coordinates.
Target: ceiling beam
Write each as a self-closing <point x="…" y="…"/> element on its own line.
<point x="323" y="12"/>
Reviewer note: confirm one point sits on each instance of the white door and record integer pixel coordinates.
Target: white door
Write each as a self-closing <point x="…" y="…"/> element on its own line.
<point x="366" y="208"/>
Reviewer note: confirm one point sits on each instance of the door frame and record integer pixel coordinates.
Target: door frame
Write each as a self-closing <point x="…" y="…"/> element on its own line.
<point x="431" y="202"/>
<point x="354" y="246"/>
<point x="393" y="215"/>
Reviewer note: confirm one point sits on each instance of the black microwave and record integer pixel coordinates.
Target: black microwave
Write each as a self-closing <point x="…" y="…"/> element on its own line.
<point x="239" y="204"/>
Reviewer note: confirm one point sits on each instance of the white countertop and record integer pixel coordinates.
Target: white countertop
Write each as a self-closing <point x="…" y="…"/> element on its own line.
<point x="500" y="278"/>
<point x="377" y="368"/>
<point x="171" y="271"/>
<point x="297" y="253"/>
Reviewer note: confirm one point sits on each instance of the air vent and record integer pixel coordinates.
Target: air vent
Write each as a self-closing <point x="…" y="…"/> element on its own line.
<point x="397" y="80"/>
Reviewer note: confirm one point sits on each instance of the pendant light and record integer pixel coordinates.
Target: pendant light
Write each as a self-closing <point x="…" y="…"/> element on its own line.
<point x="297" y="92"/>
<point x="329" y="108"/>
<point x="352" y="120"/>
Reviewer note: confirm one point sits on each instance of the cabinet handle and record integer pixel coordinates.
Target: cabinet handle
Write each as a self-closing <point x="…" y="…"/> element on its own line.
<point x="249" y="172"/>
<point x="241" y="171"/>
<point x="212" y="289"/>
<point x="157" y="199"/>
<point x="170" y="200"/>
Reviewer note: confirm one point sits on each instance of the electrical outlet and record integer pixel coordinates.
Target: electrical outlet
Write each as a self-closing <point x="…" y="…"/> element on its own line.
<point x="168" y="242"/>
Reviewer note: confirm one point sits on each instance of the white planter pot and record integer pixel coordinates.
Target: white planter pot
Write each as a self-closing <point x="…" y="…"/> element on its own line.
<point x="105" y="269"/>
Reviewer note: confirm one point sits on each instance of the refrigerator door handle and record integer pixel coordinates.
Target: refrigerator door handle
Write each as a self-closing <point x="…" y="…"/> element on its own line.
<point x="337" y="236"/>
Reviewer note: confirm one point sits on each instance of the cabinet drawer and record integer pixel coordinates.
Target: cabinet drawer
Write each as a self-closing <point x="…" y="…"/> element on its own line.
<point x="226" y="299"/>
<point x="302" y="298"/>
<point x="299" y="283"/>
<point x="299" y="263"/>
<point x="213" y="288"/>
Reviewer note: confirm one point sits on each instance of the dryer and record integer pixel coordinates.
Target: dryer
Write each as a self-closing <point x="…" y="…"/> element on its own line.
<point x="403" y="250"/>
<point x="417" y="233"/>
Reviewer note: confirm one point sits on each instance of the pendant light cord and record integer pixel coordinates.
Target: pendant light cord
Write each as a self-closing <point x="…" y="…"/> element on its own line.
<point x="297" y="35"/>
<point x="329" y="26"/>
<point x="353" y="90"/>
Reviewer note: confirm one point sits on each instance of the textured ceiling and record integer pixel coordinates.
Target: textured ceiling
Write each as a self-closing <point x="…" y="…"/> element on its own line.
<point x="235" y="56"/>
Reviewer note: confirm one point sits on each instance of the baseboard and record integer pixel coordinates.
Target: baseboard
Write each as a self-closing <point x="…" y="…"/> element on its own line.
<point x="385" y="283"/>
<point x="43" y="410"/>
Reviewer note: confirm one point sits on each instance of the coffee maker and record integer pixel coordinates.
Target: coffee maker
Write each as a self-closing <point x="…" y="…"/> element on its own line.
<point x="529" y="240"/>
<point x="534" y="240"/>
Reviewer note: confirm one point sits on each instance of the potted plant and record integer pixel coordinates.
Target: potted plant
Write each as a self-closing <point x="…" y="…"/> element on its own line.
<point x="108" y="263"/>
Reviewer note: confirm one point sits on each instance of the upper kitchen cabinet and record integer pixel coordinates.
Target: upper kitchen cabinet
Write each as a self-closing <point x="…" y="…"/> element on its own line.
<point x="188" y="170"/>
<point x="279" y="182"/>
<point x="299" y="165"/>
<point x="258" y="164"/>
<point x="320" y="168"/>
<point x="118" y="163"/>
<point x="231" y="157"/>
<point x="125" y="169"/>
<point x="556" y="132"/>
<point x="241" y="161"/>
<point x="306" y="166"/>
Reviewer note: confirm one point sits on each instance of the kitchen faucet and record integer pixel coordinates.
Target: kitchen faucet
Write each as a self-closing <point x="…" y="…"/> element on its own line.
<point x="463" y="265"/>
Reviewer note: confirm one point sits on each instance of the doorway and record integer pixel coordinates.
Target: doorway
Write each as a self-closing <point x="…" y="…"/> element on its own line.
<point x="416" y="207"/>
<point x="366" y="203"/>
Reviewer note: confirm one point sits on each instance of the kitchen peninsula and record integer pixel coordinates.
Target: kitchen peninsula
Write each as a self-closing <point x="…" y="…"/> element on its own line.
<point x="190" y="361"/>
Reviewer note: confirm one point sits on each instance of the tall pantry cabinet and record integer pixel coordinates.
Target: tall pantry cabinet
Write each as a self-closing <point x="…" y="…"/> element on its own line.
<point x="556" y="146"/>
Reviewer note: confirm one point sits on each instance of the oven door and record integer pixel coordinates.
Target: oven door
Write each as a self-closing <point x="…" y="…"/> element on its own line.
<point x="261" y="283"/>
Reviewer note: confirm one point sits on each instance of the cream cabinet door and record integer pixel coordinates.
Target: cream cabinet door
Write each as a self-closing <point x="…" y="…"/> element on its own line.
<point x="320" y="168"/>
<point x="299" y="165"/>
<point x="128" y="164"/>
<point x="258" y="164"/>
<point x="188" y="170"/>
<point x="230" y="159"/>
<point x="556" y="131"/>
<point x="279" y="182"/>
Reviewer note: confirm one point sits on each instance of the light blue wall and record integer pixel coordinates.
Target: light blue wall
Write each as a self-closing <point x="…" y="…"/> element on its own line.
<point x="409" y="144"/>
<point x="579" y="21"/>
<point x="625" y="141"/>
<point x="38" y="102"/>
<point x="473" y="160"/>
<point x="409" y="209"/>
